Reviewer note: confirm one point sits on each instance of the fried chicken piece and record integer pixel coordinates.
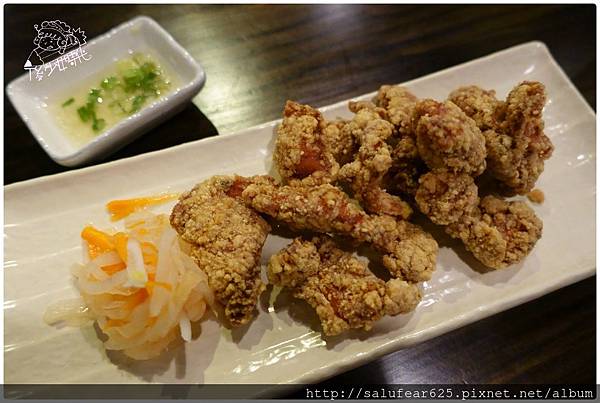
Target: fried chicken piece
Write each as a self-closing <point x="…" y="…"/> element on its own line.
<point x="400" y="297"/>
<point x="399" y="103"/>
<point x="301" y="152"/>
<point x="379" y="201"/>
<point x="514" y="131"/>
<point x="409" y="252"/>
<point x="518" y="147"/>
<point x="447" y="138"/>
<point x="291" y="266"/>
<point x="323" y="208"/>
<point x="341" y="142"/>
<point x="227" y="238"/>
<point x="445" y="196"/>
<point x="499" y="232"/>
<point x="372" y="161"/>
<point x="342" y="290"/>
<point x="407" y="167"/>
<point x="478" y="104"/>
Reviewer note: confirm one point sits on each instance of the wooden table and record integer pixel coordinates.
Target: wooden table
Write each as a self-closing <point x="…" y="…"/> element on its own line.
<point x="257" y="56"/>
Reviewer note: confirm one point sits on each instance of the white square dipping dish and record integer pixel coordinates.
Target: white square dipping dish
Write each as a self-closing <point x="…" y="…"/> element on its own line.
<point x="140" y="34"/>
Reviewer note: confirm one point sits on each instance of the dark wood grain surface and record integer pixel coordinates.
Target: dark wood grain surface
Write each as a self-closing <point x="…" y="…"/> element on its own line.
<point x="257" y="56"/>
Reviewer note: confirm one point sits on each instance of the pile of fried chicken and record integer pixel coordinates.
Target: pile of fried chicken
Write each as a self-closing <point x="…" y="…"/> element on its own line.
<point x="351" y="182"/>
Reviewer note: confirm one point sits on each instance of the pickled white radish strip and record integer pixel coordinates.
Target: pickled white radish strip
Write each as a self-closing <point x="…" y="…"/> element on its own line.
<point x="73" y="312"/>
<point x="136" y="272"/>
<point x="185" y="328"/>
<point x="107" y="259"/>
<point x="164" y="267"/>
<point x="110" y="285"/>
<point x="95" y="273"/>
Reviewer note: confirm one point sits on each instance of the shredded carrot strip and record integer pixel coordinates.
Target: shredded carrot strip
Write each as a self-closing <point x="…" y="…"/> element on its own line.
<point x="98" y="242"/>
<point x="119" y="209"/>
<point x="113" y="268"/>
<point x="97" y="237"/>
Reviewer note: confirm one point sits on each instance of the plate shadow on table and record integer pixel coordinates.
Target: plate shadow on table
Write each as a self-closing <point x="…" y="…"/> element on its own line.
<point x="188" y="125"/>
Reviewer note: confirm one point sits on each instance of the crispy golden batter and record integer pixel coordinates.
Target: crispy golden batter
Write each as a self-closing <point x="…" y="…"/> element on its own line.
<point x="409" y="252"/>
<point x="478" y="104"/>
<point x="301" y="153"/>
<point x="445" y="196"/>
<point x="342" y="290"/>
<point x="291" y="266"/>
<point x="400" y="296"/>
<point x="498" y="233"/>
<point x="341" y="142"/>
<point x="518" y="147"/>
<point x="323" y="208"/>
<point x="447" y="138"/>
<point x="372" y="161"/>
<point x="536" y="196"/>
<point x="399" y="103"/>
<point x="227" y="239"/>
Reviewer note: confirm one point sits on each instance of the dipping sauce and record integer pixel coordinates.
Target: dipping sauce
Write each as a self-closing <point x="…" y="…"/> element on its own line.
<point x="110" y="97"/>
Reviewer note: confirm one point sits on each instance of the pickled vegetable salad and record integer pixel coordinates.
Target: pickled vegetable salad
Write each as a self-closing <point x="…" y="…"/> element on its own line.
<point x="139" y="285"/>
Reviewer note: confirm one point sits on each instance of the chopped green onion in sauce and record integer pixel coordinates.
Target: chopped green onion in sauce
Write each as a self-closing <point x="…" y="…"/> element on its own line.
<point x="68" y="102"/>
<point x="136" y="81"/>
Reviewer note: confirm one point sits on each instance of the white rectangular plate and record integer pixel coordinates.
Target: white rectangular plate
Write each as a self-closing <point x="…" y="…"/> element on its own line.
<point x="45" y="216"/>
